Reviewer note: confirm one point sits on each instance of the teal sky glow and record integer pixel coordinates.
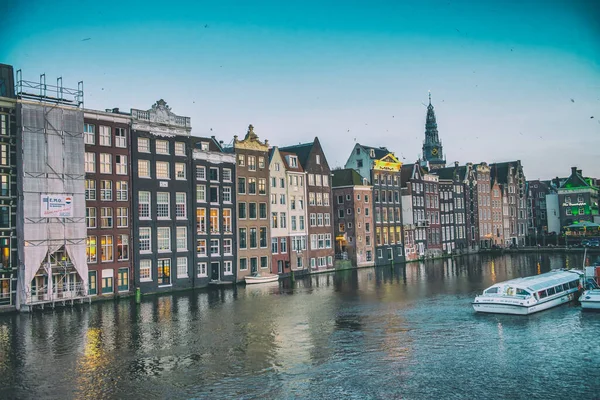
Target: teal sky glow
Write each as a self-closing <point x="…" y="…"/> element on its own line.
<point x="502" y="73"/>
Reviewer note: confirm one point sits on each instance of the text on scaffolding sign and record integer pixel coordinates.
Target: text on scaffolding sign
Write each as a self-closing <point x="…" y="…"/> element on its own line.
<point x="56" y="206"/>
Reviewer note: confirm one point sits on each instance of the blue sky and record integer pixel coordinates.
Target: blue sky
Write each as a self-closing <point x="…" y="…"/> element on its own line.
<point x="502" y="73"/>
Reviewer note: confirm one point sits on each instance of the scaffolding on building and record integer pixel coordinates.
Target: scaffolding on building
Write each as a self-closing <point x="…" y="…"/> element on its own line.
<point x="51" y="226"/>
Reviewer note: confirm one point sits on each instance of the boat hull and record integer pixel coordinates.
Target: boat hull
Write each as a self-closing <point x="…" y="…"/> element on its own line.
<point x="253" y="280"/>
<point x="518" y="309"/>
<point x="590" y="300"/>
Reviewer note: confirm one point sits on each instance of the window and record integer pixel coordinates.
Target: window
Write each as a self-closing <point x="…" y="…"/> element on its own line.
<point x="264" y="262"/>
<point x="91" y="249"/>
<point x="262" y="186"/>
<point x="318" y="159"/>
<point x="226" y="195"/>
<point x="227" y="268"/>
<point x="326" y="199"/>
<point x="214" y="194"/>
<point x="180" y="171"/>
<point x="262" y="210"/>
<point x="106" y="217"/>
<point x="105" y="163"/>
<point x="327" y="218"/>
<point x="145" y="236"/>
<point x="122" y="217"/>
<point x="251" y="185"/>
<point x="243" y="238"/>
<point x="163" y="205"/>
<point x="179" y="149"/>
<point x="200" y="173"/>
<point x="143" y="145"/>
<point x="162" y="170"/>
<point x="263" y="237"/>
<point x="251" y="163"/>
<point x="201" y="247"/>
<point x="214" y="247"/>
<point x="253" y="238"/>
<point x="241" y="210"/>
<point x="182" y="267"/>
<point x="90" y="189"/>
<point x="241" y="185"/>
<point x="90" y="217"/>
<point x="283" y="220"/>
<point x="243" y="264"/>
<point x="252" y="210"/>
<point x="181" y="238"/>
<point x="202" y="270"/>
<point x="283" y="245"/>
<point x="121" y="164"/>
<point x="325" y="180"/>
<point x="241" y="160"/>
<point x="274" y="245"/>
<point x="226" y="175"/>
<point x="180" y="203"/>
<point x="214" y="220"/>
<point x="106" y="244"/>
<point x="164" y="271"/>
<point x="261" y="162"/>
<point x="144" y="205"/>
<point x="105" y="134"/>
<point x="122" y="190"/>
<point x="122" y="247"/>
<point x="200" y="193"/>
<point x="121" y="138"/>
<point x="143" y="168"/>
<point x="227" y="247"/>
<point x="213" y="174"/>
<point x="145" y="270"/>
<point x="227" y="220"/>
<point x="282" y="199"/>
<point x="90" y="161"/>
<point x="274" y="220"/>
<point x="89" y="131"/>
<point x="163" y="236"/>
<point x="162" y="147"/>
<point x="201" y="220"/>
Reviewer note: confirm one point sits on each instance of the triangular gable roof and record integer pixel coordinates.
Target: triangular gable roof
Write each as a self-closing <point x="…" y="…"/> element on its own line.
<point x="575" y="181"/>
<point x="379" y="152"/>
<point x="301" y="150"/>
<point x="288" y="167"/>
<point x="389" y="157"/>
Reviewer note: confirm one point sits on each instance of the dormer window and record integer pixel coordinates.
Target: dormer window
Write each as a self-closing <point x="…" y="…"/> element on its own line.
<point x="204" y="146"/>
<point x="372" y="153"/>
<point x="293" y="161"/>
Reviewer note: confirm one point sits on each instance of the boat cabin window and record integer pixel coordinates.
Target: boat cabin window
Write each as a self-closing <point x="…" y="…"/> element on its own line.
<point x="550" y="291"/>
<point x="491" y="290"/>
<point x="573" y="284"/>
<point x="523" y="292"/>
<point x="542" y="294"/>
<point x="565" y="286"/>
<point x="558" y="288"/>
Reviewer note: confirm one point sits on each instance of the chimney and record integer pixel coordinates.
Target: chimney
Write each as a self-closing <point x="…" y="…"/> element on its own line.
<point x="115" y="110"/>
<point x="456" y="163"/>
<point x="579" y="171"/>
<point x="573" y="170"/>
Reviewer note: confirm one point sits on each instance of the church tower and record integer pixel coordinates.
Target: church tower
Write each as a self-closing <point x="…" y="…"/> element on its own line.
<point x="433" y="155"/>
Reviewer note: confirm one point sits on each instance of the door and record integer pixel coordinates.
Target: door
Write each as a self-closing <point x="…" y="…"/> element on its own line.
<point x="280" y="266"/>
<point x="253" y="265"/>
<point x="123" y="280"/>
<point x="92" y="288"/>
<point x="214" y="271"/>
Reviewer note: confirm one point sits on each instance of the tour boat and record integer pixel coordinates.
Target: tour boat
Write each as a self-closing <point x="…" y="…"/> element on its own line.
<point x="590" y="298"/>
<point x="523" y="296"/>
<point x="258" y="278"/>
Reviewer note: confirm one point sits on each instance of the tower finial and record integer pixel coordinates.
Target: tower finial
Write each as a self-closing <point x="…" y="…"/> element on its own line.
<point x="429" y="97"/>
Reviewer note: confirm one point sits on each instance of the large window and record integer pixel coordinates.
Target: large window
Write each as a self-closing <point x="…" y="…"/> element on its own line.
<point x="122" y="191"/>
<point x="179" y="149"/>
<point x="145" y="238"/>
<point x="241" y="185"/>
<point x="262" y="210"/>
<point x="180" y="171"/>
<point x="106" y="190"/>
<point x="91" y="249"/>
<point x="201" y="247"/>
<point x="226" y="175"/>
<point x="253" y="238"/>
<point x="214" y="220"/>
<point x="227" y="220"/>
<point x="106" y="217"/>
<point x="90" y="189"/>
<point x="144" y="205"/>
<point x="251" y="185"/>
<point x="200" y="173"/>
<point x="226" y="195"/>
<point x="121" y="137"/>
<point x="227" y="247"/>
<point x="164" y="271"/>
<point x="214" y="247"/>
<point x="122" y="217"/>
<point x="263" y="237"/>
<point x="200" y="193"/>
<point x="4" y="155"/>
<point x="243" y="238"/>
<point x="162" y="147"/>
<point x="163" y="239"/>
<point x="89" y="131"/>
<point x="180" y="205"/>
<point x="90" y="217"/>
<point x="214" y="194"/>
<point x="122" y="247"/>
<point x="202" y="270"/>
<point x="145" y="270"/>
<point x="90" y="162"/>
<point x="162" y="170"/>
<point x="201" y="220"/>
<point x="105" y="136"/>
<point x="143" y="168"/>
<point x="213" y="174"/>
<point x="121" y="164"/>
<point x="143" y="145"/>
<point x="106" y="243"/>
<point x="105" y="163"/>
<point x="163" y="205"/>
<point x="182" y="266"/>
<point x="181" y="238"/>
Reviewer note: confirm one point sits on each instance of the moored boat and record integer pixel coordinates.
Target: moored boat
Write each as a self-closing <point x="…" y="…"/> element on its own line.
<point x="590" y="298"/>
<point x="257" y="278"/>
<point x="523" y="296"/>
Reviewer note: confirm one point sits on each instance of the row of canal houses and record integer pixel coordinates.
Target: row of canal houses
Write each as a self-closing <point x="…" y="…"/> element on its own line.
<point x="100" y="203"/>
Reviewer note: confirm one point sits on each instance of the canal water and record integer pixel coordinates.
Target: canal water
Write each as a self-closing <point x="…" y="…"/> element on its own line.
<point x="392" y="332"/>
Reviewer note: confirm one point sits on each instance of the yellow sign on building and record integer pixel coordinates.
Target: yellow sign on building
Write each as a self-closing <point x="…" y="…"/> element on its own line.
<point x="388" y="163"/>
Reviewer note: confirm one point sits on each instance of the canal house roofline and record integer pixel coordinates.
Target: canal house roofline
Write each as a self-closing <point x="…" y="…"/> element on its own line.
<point x="160" y="121"/>
<point x="250" y="141"/>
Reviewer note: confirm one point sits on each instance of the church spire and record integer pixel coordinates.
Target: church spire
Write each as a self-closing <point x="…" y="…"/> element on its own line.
<point x="432" y="146"/>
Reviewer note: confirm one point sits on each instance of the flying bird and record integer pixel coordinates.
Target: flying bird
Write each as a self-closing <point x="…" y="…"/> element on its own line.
<point x="592" y="117"/>
<point x="572" y="101"/>
<point x="206" y="26"/>
<point x="83" y="40"/>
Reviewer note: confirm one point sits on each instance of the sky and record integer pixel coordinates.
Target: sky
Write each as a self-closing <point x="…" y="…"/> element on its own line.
<point x="510" y="80"/>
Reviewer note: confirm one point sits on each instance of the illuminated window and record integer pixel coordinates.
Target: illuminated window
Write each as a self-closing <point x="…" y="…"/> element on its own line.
<point x="91" y="249"/>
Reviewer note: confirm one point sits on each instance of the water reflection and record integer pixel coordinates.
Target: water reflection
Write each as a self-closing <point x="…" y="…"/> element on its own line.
<point x="400" y="331"/>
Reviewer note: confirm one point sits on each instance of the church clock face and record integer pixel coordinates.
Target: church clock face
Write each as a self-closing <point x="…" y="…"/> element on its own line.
<point x="434" y="151"/>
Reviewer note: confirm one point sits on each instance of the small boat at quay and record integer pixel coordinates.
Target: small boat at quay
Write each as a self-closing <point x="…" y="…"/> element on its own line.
<point x="258" y="278"/>
<point x="524" y="296"/>
<point x="590" y="298"/>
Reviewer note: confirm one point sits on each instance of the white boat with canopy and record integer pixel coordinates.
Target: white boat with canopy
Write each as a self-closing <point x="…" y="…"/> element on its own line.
<point x="523" y="296"/>
<point x="590" y="298"/>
